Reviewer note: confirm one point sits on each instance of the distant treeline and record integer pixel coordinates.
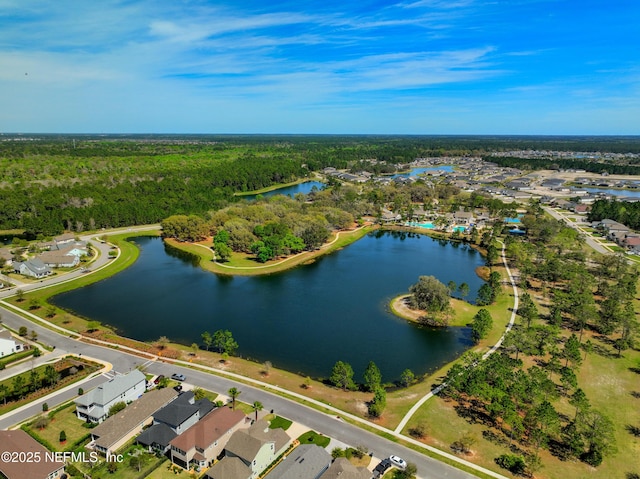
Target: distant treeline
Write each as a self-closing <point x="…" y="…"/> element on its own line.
<point x="564" y="164"/>
<point x="625" y="212"/>
<point x="108" y="201"/>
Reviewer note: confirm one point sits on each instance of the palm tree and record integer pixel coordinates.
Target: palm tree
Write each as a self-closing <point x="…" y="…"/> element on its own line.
<point x="257" y="406"/>
<point x="233" y="394"/>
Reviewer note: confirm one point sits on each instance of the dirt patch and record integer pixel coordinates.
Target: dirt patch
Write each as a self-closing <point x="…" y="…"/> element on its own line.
<point x="400" y="306"/>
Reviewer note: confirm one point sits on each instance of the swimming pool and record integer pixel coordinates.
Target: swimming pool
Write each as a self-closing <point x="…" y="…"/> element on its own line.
<point x="428" y="225"/>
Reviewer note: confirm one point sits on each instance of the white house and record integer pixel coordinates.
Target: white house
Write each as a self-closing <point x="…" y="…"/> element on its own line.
<point x="94" y="406"/>
<point x="32" y="267"/>
<point x="8" y="345"/>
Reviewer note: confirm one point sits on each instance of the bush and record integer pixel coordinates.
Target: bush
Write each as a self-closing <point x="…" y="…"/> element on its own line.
<point x="63" y="436"/>
<point x="23" y="331"/>
<point x="593" y="457"/>
<point x="418" y="431"/>
<point x="45" y="407"/>
<point x="80" y="391"/>
<point x="514" y="464"/>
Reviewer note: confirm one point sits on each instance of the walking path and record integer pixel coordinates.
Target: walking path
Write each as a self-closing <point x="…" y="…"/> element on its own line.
<point x="324" y="246"/>
<point x="493" y="349"/>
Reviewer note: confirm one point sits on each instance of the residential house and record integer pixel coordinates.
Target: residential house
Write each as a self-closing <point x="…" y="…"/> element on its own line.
<point x="114" y="432"/>
<point x="59" y="258"/>
<point x="8" y="345"/>
<point x="257" y="446"/>
<point x="6" y="257"/>
<point x="64" y="238"/>
<point x="33" y="268"/>
<point x="18" y="441"/>
<point x="204" y="441"/>
<point x="229" y="468"/>
<point x="308" y="461"/>
<point x="173" y="419"/>
<point x="463" y="217"/>
<point x="343" y="469"/>
<point x="94" y="405"/>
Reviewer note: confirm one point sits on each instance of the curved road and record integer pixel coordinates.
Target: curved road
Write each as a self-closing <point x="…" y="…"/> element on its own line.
<point x="331" y="426"/>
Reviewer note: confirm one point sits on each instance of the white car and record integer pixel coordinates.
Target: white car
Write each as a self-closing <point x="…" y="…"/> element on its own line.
<point x="398" y="462"/>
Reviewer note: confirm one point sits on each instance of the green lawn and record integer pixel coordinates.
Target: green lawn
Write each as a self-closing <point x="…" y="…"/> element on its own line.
<point x="311" y="437"/>
<point x="280" y="422"/>
<point x="63" y="420"/>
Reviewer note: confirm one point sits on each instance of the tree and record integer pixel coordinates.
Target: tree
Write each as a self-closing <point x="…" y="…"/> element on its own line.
<point x="372" y="377"/>
<point x="223" y="341"/>
<point x="18" y="386"/>
<point x="198" y="393"/>
<point x="23" y="331"/>
<point x="482" y="324"/>
<point x="379" y="402"/>
<point x="233" y="394"/>
<point x="452" y="286"/>
<point x="267" y="368"/>
<point x="92" y="326"/>
<point x="20" y="295"/>
<point x="223" y="252"/>
<point x="492" y="255"/>
<point x="63" y="436"/>
<point x="527" y="309"/>
<point x="207" y="339"/>
<point x="342" y="376"/>
<point x="194" y="349"/>
<point x="4" y="391"/>
<point x="407" y="378"/>
<point x="257" y="406"/>
<point x="137" y="462"/>
<point x="429" y="294"/>
<point x="463" y="289"/>
<point x="485" y="295"/>
<point x="409" y="472"/>
<point x="162" y="342"/>
<point x="572" y="351"/>
<point x="51" y="375"/>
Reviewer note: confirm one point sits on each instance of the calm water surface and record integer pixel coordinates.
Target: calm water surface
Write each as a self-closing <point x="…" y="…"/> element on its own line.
<point x="303" y="320"/>
<point x="304" y="188"/>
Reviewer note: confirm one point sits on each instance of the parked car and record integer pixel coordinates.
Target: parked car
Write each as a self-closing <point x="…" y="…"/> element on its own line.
<point x="158" y="379"/>
<point x="398" y="462"/>
<point x="178" y="377"/>
<point x="381" y="468"/>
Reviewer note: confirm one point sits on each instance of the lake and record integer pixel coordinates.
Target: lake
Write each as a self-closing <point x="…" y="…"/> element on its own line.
<point x="621" y="194"/>
<point x="302" y="320"/>
<point x="304" y="188"/>
<point x="423" y="170"/>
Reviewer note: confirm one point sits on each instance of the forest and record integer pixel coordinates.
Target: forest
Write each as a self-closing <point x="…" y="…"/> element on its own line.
<point x="52" y="183"/>
<point x="625" y="212"/>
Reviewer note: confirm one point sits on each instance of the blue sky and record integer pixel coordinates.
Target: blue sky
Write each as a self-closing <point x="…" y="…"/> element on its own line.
<point x="405" y="67"/>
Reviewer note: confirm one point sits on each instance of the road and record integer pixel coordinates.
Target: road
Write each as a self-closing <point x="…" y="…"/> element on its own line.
<point x="590" y="240"/>
<point x="329" y="425"/>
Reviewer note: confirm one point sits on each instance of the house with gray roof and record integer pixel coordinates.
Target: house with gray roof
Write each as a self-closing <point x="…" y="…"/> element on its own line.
<point x="33" y="268"/>
<point x="343" y="469"/>
<point x="173" y="419"/>
<point x="229" y="468"/>
<point x="257" y="446"/>
<point x="59" y="258"/>
<point x="94" y="405"/>
<point x="308" y="461"/>
<point x="114" y="433"/>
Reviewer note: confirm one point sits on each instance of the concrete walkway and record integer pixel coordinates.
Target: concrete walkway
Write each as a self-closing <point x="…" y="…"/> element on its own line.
<point x="493" y="349"/>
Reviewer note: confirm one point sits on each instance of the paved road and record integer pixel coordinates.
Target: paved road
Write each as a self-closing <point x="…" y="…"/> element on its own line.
<point x="123" y="362"/>
<point x="591" y="241"/>
<point x="331" y="426"/>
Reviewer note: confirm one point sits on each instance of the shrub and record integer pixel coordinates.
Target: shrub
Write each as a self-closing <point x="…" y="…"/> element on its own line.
<point x="418" y="431"/>
<point x="63" y="436"/>
<point x="512" y="463"/>
<point x="45" y="407"/>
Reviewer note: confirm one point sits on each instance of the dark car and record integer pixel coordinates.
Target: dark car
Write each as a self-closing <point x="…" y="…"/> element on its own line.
<point x="158" y="379"/>
<point x="381" y="468"/>
<point x="178" y="377"/>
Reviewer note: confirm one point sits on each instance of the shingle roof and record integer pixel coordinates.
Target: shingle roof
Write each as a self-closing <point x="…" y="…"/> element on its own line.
<point x="116" y="427"/>
<point x="111" y="389"/>
<point x="209" y="429"/>
<point x="183" y="408"/>
<point x="305" y="461"/>
<point x="20" y="441"/>
<point x="343" y="469"/>
<point x="229" y="468"/>
<point x="160" y="434"/>
<point x="246" y="443"/>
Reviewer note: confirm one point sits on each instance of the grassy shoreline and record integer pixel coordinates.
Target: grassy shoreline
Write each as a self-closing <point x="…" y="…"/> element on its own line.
<point x="241" y="264"/>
